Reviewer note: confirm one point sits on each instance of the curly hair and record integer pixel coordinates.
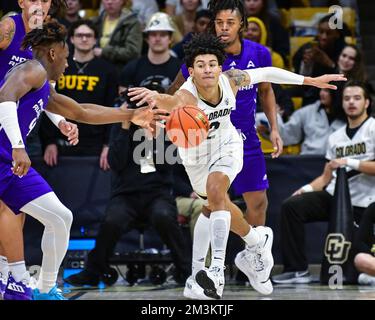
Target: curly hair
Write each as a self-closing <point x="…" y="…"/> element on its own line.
<point x="51" y="32"/>
<point x="58" y="8"/>
<point x="204" y="43"/>
<point x="215" y="6"/>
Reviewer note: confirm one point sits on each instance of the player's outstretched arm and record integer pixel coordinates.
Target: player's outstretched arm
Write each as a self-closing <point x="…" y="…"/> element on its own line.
<point x="96" y="114"/>
<point x="165" y="101"/>
<point x="240" y="78"/>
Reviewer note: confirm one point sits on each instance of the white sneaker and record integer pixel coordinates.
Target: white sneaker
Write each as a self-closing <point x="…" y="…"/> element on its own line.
<point x="366" y="280"/>
<point x="193" y="291"/>
<point x="257" y="263"/>
<point x="212" y="281"/>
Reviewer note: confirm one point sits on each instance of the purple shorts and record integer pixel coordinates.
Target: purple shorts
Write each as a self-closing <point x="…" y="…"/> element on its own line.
<point x="253" y="176"/>
<point x="16" y="192"/>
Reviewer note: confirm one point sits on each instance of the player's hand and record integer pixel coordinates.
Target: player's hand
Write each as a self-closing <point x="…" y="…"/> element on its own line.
<point x="298" y="192"/>
<point x="103" y="161"/>
<point x="21" y="162"/>
<point x="70" y="130"/>
<point x="277" y="143"/>
<point x="144" y="95"/>
<point x="51" y="155"/>
<point x="322" y="82"/>
<point x="337" y="163"/>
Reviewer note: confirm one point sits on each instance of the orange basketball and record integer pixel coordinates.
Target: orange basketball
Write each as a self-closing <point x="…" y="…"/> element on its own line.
<point x="187" y="126"/>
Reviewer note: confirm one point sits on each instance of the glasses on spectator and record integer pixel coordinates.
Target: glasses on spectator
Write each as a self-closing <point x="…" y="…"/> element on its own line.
<point x="84" y="35"/>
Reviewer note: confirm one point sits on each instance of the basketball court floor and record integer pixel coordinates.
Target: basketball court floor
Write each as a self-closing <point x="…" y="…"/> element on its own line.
<point x="232" y="292"/>
<point x="169" y="291"/>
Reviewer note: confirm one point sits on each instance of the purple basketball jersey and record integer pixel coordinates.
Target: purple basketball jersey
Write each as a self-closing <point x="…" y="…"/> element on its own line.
<point x="13" y="54"/>
<point x="253" y="176"/>
<point x="14" y="191"/>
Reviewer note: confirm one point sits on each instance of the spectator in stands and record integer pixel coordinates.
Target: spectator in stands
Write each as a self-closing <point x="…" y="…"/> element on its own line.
<point x="319" y="56"/>
<point x="313" y="201"/>
<point x="278" y="38"/>
<point x="157" y="67"/>
<point x="364" y="260"/>
<point x="120" y="34"/>
<point x="71" y="13"/>
<point x="174" y="7"/>
<point x="141" y="191"/>
<point x="202" y="20"/>
<point x="144" y="10"/>
<point x="311" y="125"/>
<point x="185" y="21"/>
<point x="350" y="63"/>
<point x="257" y="32"/>
<point x="88" y="79"/>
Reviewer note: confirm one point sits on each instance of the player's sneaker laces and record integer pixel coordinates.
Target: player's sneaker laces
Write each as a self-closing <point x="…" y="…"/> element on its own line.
<point x="53" y="294"/>
<point x="212" y="281"/>
<point x="257" y="262"/>
<point x="17" y="290"/>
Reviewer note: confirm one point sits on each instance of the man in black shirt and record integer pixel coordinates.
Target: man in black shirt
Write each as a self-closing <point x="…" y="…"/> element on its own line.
<point x="141" y="191"/>
<point x="88" y="79"/>
<point x="157" y="67"/>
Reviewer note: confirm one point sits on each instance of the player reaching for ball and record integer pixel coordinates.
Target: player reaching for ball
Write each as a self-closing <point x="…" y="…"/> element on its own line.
<point x="214" y="163"/>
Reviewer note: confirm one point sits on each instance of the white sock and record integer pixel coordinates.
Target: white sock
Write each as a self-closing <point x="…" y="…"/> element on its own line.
<point x="219" y="231"/>
<point x="201" y="243"/>
<point x="252" y="238"/>
<point x="4" y="268"/>
<point x="18" y="271"/>
<point x="46" y="281"/>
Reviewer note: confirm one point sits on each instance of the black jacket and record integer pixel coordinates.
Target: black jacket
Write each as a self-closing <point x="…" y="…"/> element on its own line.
<point x="123" y="158"/>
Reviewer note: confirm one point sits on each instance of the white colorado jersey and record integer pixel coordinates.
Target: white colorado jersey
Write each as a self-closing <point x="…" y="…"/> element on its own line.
<point x="361" y="147"/>
<point x="221" y="128"/>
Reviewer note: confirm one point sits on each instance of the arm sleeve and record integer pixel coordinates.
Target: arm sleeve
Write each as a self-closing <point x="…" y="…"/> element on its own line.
<point x="274" y="75"/>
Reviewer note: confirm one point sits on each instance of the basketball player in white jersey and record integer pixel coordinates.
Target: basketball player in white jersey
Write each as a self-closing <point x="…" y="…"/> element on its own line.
<point x="214" y="164"/>
<point x="352" y="147"/>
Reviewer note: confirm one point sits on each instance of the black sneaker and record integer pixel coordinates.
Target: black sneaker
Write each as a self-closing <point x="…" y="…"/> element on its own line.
<point x="293" y="277"/>
<point x="83" y="278"/>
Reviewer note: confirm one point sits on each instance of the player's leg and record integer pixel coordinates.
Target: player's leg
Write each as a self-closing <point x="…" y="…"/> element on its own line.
<point x="57" y="220"/>
<point x="12" y="252"/>
<point x="364" y="260"/>
<point x="212" y="281"/>
<point x="256" y="207"/>
<point x="253" y="189"/>
<point x="162" y="212"/>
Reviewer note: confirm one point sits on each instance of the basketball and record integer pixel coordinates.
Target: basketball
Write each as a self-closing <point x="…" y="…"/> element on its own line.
<point x="187" y="126"/>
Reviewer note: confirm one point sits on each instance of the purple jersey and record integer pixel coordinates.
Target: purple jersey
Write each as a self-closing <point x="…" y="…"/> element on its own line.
<point x="13" y="54"/>
<point x="30" y="106"/>
<point x="14" y="191"/>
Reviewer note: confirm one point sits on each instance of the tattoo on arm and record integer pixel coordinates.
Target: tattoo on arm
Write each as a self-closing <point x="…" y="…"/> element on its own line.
<point x="239" y="77"/>
<point x="7" y="31"/>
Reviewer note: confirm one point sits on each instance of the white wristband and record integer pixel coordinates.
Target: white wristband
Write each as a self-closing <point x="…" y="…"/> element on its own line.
<point x="9" y="122"/>
<point x="353" y="163"/>
<point x="307" y="188"/>
<point x="55" y="118"/>
<point x="274" y="75"/>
